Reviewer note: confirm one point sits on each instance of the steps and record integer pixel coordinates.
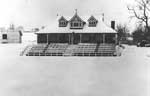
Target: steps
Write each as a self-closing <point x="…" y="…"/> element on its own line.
<point x="26" y="50"/>
<point x="97" y="46"/>
<point x="85" y="49"/>
<point x="45" y="48"/>
<point x="69" y="50"/>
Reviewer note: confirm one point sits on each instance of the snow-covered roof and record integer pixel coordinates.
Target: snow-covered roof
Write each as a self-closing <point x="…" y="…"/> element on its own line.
<point x="100" y="28"/>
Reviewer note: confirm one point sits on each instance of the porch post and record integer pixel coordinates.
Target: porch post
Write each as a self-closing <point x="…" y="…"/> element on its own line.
<point x="47" y="38"/>
<point x="68" y="38"/>
<point x="116" y="38"/>
<point x="80" y="38"/>
<point x="72" y="38"/>
<point x="103" y="37"/>
<point x="58" y="39"/>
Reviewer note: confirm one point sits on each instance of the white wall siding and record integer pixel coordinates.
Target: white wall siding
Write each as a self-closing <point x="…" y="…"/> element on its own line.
<point x="12" y="37"/>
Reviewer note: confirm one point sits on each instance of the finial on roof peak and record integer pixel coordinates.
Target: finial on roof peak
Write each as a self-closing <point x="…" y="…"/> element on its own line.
<point x="76" y="10"/>
<point x="92" y="15"/>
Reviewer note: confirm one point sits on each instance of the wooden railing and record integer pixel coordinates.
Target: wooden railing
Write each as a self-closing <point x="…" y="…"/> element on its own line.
<point x="79" y="50"/>
<point x="24" y="51"/>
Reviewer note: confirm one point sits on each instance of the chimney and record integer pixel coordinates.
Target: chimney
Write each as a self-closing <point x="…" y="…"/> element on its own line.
<point x="113" y="24"/>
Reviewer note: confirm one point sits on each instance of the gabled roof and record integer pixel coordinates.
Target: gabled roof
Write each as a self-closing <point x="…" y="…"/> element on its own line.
<point x="100" y="28"/>
<point x="62" y="18"/>
<point x="54" y="28"/>
<point x="92" y="18"/>
<point x="76" y="16"/>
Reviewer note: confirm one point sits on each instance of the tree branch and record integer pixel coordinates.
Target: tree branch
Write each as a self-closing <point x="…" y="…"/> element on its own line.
<point x="135" y="13"/>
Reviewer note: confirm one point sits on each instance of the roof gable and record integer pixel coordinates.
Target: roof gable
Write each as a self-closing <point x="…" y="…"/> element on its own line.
<point x="62" y="22"/>
<point x="92" y="18"/>
<point x="101" y="27"/>
<point x="76" y="18"/>
<point x="62" y="18"/>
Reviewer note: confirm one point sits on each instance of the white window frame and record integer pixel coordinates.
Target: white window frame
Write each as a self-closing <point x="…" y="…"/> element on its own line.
<point x="92" y="23"/>
<point x="62" y="23"/>
<point x="79" y="24"/>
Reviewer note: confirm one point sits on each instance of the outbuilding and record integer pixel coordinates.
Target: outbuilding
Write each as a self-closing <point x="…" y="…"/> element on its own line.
<point x="11" y="35"/>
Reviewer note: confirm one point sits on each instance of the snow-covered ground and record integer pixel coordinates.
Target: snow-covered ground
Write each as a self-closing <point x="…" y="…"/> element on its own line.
<point x="128" y="75"/>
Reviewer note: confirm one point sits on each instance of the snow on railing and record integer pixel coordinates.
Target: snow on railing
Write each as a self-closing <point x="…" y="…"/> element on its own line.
<point x="25" y="50"/>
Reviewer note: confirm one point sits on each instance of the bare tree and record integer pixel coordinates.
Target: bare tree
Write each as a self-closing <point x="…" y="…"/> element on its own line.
<point x="141" y="11"/>
<point x="122" y="30"/>
<point x="138" y="34"/>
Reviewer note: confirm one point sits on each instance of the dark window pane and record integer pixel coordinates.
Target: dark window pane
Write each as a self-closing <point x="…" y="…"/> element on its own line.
<point x="76" y="24"/>
<point x="4" y="36"/>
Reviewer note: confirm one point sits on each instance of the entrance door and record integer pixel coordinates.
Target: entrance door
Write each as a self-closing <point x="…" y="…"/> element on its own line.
<point x="76" y="38"/>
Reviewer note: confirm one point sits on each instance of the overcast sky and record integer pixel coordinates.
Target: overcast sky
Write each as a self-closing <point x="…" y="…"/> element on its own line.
<point x="36" y="13"/>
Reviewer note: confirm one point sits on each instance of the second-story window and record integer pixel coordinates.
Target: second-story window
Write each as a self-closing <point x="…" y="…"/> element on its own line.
<point x="76" y="24"/>
<point x="62" y="22"/>
<point x="92" y="23"/>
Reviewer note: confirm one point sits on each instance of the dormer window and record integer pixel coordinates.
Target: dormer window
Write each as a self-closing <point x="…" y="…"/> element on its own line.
<point x="92" y="21"/>
<point x="62" y="22"/>
<point x="76" y="22"/>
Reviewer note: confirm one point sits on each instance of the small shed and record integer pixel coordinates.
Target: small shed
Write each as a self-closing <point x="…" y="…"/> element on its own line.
<point x="11" y="35"/>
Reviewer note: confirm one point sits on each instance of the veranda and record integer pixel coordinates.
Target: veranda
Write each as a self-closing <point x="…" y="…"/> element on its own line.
<point x="75" y="38"/>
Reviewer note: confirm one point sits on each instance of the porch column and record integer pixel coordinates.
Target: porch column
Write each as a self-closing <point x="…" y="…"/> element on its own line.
<point x="58" y="39"/>
<point x="72" y="38"/>
<point x="80" y="38"/>
<point x="69" y="38"/>
<point x="47" y="38"/>
<point x="103" y="37"/>
<point x="116" y="38"/>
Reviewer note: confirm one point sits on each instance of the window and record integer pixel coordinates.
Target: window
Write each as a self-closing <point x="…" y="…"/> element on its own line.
<point x="92" y="21"/>
<point x="92" y="24"/>
<point x="76" y="24"/>
<point x="62" y="24"/>
<point x="4" y="36"/>
<point x="71" y="24"/>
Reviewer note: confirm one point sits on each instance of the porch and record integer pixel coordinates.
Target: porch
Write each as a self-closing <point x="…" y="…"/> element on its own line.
<point x="75" y="38"/>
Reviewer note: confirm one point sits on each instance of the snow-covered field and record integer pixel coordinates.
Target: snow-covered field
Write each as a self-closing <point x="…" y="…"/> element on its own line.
<point x="128" y="75"/>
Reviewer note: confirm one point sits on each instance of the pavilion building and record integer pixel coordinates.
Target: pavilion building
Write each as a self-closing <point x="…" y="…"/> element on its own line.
<point x="76" y="36"/>
<point x="78" y="30"/>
